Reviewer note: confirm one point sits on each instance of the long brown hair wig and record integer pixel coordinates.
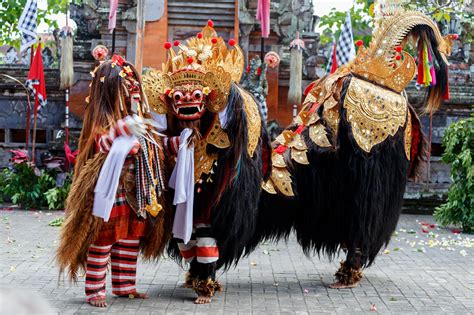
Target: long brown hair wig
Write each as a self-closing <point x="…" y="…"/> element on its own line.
<point x="109" y="101"/>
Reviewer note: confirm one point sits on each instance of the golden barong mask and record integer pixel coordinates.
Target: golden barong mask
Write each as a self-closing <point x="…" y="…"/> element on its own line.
<point x="195" y="78"/>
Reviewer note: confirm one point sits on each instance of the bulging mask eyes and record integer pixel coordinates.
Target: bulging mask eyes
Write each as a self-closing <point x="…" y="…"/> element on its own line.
<point x="178" y="96"/>
<point x="197" y="95"/>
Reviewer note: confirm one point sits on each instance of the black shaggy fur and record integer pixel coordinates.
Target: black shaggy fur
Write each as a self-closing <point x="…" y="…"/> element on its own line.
<point x="343" y="199"/>
<point x="234" y="193"/>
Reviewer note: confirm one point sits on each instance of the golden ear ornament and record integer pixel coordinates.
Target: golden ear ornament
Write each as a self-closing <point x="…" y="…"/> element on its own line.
<point x="219" y="83"/>
<point x="155" y="85"/>
<point x="254" y="121"/>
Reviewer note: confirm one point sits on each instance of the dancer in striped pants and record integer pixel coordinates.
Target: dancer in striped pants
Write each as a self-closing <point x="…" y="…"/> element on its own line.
<point x="123" y="256"/>
<point x="202" y="253"/>
<point x="102" y="232"/>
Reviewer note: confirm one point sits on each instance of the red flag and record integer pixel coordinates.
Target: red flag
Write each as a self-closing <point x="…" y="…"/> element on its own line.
<point x="35" y="82"/>
<point x="334" y="60"/>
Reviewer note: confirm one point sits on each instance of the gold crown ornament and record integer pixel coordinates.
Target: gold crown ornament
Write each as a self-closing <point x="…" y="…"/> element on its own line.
<point x="384" y="61"/>
<point x="196" y="76"/>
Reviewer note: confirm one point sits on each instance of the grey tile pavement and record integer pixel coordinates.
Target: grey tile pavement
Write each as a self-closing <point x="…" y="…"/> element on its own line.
<point x="425" y="269"/>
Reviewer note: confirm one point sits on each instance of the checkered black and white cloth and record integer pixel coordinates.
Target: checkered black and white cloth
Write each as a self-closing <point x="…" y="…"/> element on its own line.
<point x="345" y="49"/>
<point x="27" y="24"/>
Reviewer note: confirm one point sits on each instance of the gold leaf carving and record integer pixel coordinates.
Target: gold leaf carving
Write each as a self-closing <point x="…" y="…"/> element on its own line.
<point x="318" y="135"/>
<point x="254" y="122"/>
<point x="299" y="156"/>
<point x="282" y="181"/>
<point x="278" y="160"/>
<point x="408" y="138"/>
<point x="269" y="187"/>
<point x="298" y="143"/>
<point x="202" y="160"/>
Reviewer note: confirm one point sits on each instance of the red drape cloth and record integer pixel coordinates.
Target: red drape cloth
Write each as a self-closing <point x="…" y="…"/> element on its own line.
<point x="263" y="15"/>
<point x="112" y="14"/>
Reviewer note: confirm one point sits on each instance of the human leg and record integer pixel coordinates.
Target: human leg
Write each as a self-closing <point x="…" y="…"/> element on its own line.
<point x="97" y="261"/>
<point x="124" y="264"/>
<point x="207" y="254"/>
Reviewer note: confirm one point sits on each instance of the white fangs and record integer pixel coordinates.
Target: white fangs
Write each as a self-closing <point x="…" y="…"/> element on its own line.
<point x="199" y="107"/>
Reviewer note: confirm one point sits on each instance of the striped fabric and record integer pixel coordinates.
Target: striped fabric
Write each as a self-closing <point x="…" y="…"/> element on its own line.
<point x="105" y="141"/>
<point x="201" y="246"/>
<point x="171" y="145"/>
<point x="123" y="256"/>
<point x="123" y="222"/>
<point x="124" y="266"/>
<point x="206" y="250"/>
<point x="188" y="251"/>
<point x="97" y="261"/>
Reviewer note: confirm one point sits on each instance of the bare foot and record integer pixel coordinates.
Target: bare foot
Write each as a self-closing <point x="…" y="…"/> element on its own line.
<point x="98" y="302"/>
<point x="340" y="285"/>
<point x="135" y="295"/>
<point x="203" y="300"/>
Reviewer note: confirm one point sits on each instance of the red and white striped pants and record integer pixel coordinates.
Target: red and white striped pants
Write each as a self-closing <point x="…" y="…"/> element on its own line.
<point x="203" y="247"/>
<point x="123" y="256"/>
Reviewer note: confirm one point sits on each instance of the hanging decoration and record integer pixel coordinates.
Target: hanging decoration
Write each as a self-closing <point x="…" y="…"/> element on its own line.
<point x="296" y="66"/>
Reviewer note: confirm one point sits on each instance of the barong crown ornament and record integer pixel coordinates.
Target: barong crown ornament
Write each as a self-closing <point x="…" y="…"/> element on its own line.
<point x="384" y="62"/>
<point x="196" y="77"/>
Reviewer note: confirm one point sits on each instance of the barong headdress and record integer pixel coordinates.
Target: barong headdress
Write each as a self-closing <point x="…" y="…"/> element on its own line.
<point x="385" y="62"/>
<point x="195" y="77"/>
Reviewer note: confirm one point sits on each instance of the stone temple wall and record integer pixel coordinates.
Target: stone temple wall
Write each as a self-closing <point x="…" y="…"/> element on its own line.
<point x="13" y="109"/>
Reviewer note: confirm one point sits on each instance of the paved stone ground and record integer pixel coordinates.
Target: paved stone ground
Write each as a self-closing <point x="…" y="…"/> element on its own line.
<point x="424" y="270"/>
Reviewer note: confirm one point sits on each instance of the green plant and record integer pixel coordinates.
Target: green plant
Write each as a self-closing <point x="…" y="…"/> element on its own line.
<point x="56" y="196"/>
<point x="362" y="14"/>
<point x="360" y="18"/>
<point x="2" y="185"/>
<point x="459" y="153"/>
<point x="56" y="222"/>
<point x="10" y="12"/>
<point x="27" y="186"/>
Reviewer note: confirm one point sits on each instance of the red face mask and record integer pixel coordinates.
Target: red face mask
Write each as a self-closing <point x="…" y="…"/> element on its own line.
<point x="188" y="104"/>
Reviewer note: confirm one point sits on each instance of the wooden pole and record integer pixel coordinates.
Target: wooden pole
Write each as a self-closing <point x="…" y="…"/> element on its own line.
<point x="236" y="21"/>
<point x="66" y="123"/>
<point x="66" y="91"/>
<point x="35" y="111"/>
<point x="139" y="41"/>
<point x="28" y="108"/>
<point x="113" y="42"/>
